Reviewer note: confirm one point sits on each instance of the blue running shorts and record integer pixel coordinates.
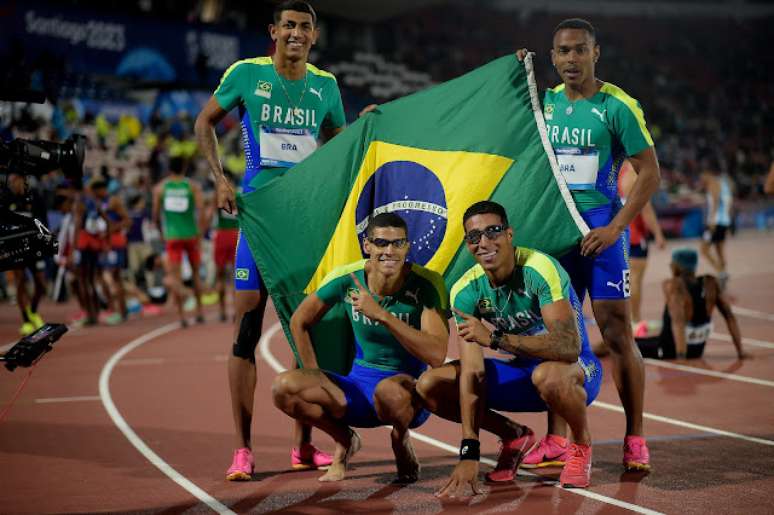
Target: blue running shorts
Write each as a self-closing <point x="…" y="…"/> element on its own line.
<point x="605" y="277"/>
<point x="359" y="386"/>
<point x="246" y="275"/>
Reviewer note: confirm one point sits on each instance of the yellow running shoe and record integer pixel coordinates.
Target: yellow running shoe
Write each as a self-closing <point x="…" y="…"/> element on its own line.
<point x="27" y="329"/>
<point x="35" y="318"/>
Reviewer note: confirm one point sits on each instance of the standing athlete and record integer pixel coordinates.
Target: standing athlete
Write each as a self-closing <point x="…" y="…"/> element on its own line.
<point x="224" y="250"/>
<point x="285" y="105"/>
<point x="177" y="202"/>
<point x="593" y="127"/>
<point x="720" y="198"/>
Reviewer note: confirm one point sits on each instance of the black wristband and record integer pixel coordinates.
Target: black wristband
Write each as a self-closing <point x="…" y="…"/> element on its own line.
<point x="470" y="449"/>
<point x="495" y="339"/>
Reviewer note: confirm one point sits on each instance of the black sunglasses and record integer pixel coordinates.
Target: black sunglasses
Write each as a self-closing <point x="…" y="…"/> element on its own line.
<point x="492" y="232"/>
<point x="383" y="243"/>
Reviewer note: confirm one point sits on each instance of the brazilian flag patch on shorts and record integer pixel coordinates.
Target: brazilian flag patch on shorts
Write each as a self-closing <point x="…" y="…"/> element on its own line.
<point x="242" y="274"/>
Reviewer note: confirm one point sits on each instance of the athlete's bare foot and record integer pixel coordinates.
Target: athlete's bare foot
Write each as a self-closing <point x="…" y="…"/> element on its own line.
<point x="405" y="459"/>
<point x="338" y="469"/>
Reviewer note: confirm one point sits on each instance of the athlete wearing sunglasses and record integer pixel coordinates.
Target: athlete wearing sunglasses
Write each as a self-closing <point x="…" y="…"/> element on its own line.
<point x="517" y="301"/>
<point x="398" y="315"/>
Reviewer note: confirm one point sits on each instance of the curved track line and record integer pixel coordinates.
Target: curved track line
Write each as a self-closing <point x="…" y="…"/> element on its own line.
<point x="263" y="344"/>
<point x="139" y="444"/>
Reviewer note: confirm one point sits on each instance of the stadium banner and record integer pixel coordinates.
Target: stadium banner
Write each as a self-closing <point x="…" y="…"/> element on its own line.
<point x="426" y="157"/>
<point x="142" y="48"/>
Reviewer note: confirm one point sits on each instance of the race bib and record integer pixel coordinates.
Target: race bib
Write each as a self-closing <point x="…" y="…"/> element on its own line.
<point x="696" y="335"/>
<point x="284" y="148"/>
<point x="579" y="166"/>
<point x="176" y="204"/>
<point x="95" y="225"/>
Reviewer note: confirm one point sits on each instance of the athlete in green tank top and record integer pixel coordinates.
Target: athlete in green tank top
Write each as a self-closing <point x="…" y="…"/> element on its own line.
<point x="397" y="312"/>
<point x="593" y="126"/>
<point x="285" y="105"/>
<point x="178" y="209"/>
<point x="592" y="137"/>
<point x="224" y="221"/>
<point x="376" y="346"/>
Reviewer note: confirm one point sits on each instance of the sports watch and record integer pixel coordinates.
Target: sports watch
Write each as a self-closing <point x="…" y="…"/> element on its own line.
<point x="496" y="338"/>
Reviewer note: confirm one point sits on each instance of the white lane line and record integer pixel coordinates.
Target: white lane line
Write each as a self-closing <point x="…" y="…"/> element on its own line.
<point x="141" y="361"/>
<point x="263" y="344"/>
<point x="49" y="400"/>
<point x="712" y="373"/>
<point x="689" y="425"/>
<point x="752" y="313"/>
<point x="747" y="341"/>
<point x="139" y="444"/>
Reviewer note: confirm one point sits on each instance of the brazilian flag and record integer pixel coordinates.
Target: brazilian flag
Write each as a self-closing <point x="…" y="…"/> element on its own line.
<point x="427" y="157"/>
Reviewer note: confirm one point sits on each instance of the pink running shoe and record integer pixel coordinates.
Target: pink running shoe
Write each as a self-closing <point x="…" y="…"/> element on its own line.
<point x="511" y="454"/>
<point x="242" y="466"/>
<point x="551" y="451"/>
<point x="577" y="471"/>
<point x="309" y="457"/>
<point x="636" y="455"/>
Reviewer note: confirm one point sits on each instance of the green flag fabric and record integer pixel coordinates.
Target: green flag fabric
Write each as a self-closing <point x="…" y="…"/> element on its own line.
<point x="427" y="157"/>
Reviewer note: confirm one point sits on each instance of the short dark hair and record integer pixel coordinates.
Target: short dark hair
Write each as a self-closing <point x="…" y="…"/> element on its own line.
<point x="294" y="5"/>
<point x="385" y="220"/>
<point x="177" y="164"/>
<point x="577" y="23"/>
<point x="484" y="207"/>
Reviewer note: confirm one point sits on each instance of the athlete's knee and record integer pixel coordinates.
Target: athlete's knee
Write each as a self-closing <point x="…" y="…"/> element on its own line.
<point x="283" y="388"/>
<point x="433" y="386"/>
<point x="248" y="334"/>
<point x="553" y="380"/>
<point x="393" y="401"/>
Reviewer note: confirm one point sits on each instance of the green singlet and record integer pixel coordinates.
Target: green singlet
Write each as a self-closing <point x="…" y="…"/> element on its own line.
<point x="177" y="204"/>
<point x="592" y="137"/>
<point x="514" y="308"/>
<point x="376" y="347"/>
<point x="281" y="119"/>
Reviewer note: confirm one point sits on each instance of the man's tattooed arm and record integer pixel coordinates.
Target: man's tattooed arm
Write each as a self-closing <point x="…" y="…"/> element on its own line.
<point x="561" y="343"/>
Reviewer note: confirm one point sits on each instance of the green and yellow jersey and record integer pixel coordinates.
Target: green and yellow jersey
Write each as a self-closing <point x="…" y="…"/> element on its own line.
<point x="591" y="138"/>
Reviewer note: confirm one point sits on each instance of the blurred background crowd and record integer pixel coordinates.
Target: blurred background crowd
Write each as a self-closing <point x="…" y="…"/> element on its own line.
<point x="132" y="76"/>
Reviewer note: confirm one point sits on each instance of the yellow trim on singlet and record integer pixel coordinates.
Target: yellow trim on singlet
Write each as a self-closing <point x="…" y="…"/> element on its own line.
<point x="343" y="270"/>
<point x="619" y="94"/>
<point x="468" y="277"/>
<point x="557" y="89"/>
<point x="542" y="264"/>
<point x="260" y="61"/>
<point x="435" y="279"/>
<point x="317" y="71"/>
<point x="623" y="97"/>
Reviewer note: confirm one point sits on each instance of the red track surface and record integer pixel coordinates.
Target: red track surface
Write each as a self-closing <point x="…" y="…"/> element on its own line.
<point x="70" y="456"/>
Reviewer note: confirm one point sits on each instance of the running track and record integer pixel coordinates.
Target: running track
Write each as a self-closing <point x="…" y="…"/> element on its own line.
<point x="135" y="418"/>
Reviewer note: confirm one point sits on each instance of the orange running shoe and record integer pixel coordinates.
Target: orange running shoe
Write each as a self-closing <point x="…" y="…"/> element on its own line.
<point x="242" y="466"/>
<point x="551" y="451"/>
<point x="309" y="457"/>
<point x="511" y="454"/>
<point x="636" y="455"/>
<point x="577" y="470"/>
